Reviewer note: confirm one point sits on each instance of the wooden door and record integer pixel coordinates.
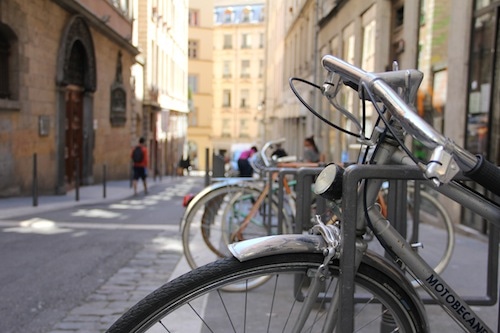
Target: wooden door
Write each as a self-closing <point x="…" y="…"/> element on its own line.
<point x="74" y="135"/>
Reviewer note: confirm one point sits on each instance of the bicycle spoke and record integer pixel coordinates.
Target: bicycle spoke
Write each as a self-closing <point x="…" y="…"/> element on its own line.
<point x="272" y="302"/>
<point x="225" y="310"/>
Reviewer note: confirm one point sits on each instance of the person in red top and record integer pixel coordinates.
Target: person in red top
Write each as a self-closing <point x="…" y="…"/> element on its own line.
<point x="140" y="165"/>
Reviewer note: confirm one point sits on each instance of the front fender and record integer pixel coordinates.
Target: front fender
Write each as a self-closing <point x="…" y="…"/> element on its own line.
<point x="278" y="244"/>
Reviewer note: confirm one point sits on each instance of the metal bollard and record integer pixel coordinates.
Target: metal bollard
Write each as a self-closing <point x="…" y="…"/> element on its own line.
<point x="35" y="181"/>
<point x="207" y="167"/>
<point x="104" y="180"/>
<point x="77" y="180"/>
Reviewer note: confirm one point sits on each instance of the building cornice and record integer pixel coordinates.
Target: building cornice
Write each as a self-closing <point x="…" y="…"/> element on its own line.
<point x="76" y="8"/>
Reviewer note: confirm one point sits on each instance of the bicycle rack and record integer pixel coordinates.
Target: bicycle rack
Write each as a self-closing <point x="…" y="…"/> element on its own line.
<point x="397" y="177"/>
<point x="304" y="182"/>
<point x="304" y="177"/>
<point x="283" y="172"/>
<point x="352" y="176"/>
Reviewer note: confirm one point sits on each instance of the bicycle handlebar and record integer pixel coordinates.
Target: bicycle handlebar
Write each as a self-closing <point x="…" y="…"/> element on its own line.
<point x="446" y="155"/>
<point x="266" y="146"/>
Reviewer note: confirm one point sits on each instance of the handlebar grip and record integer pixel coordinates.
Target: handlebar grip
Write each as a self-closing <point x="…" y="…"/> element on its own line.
<point x="486" y="174"/>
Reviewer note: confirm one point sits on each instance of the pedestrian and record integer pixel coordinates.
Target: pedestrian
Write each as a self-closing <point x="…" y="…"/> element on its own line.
<point x="311" y="151"/>
<point x="139" y="157"/>
<point x="244" y="166"/>
<point x="184" y="164"/>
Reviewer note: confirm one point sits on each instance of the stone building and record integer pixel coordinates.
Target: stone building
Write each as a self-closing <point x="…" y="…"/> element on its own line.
<point x="65" y="94"/>
<point x="453" y="42"/>
<point x="365" y="33"/>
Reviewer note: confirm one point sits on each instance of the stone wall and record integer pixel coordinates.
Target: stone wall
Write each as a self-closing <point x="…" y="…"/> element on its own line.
<point x="39" y="26"/>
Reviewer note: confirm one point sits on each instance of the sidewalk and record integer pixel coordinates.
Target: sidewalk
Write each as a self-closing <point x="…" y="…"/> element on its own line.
<point x="88" y="195"/>
<point x="466" y="271"/>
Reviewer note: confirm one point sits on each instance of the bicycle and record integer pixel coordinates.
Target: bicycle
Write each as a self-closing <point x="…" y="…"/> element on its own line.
<point x="237" y="211"/>
<point x="218" y="212"/>
<point x="332" y="261"/>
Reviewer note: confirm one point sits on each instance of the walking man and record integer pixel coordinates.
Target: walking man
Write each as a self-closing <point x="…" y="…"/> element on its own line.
<point x="139" y="157"/>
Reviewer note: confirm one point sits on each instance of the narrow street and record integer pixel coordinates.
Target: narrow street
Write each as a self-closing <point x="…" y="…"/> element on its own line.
<point x="52" y="262"/>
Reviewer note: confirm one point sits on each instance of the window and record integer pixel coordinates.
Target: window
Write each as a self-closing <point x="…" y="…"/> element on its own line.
<point x="193" y="117"/>
<point x="123" y="7"/>
<point x="228" y="15"/>
<point x="260" y="99"/>
<point x="226" y="128"/>
<point x="226" y="69"/>
<point x="480" y="85"/>
<point x="4" y="67"/>
<point x="261" y="41"/>
<point x="261" y="68"/>
<point x="246" y="15"/>
<point x="244" y="132"/>
<point x="245" y="68"/>
<point x="245" y="95"/>
<point x="226" y="98"/>
<point x="399" y="17"/>
<point x="193" y="49"/>
<point x="334" y="46"/>
<point x="9" y="64"/>
<point x="246" y="41"/>
<point x="194" y="15"/>
<point x="193" y="83"/>
<point x="228" y="41"/>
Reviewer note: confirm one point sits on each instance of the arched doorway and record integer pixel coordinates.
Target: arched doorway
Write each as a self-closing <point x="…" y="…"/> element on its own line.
<point x="76" y="80"/>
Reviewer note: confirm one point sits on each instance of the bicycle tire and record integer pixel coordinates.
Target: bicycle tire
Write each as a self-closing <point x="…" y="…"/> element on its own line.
<point x="206" y="221"/>
<point x="443" y="220"/>
<point x="431" y="212"/>
<point x="199" y="290"/>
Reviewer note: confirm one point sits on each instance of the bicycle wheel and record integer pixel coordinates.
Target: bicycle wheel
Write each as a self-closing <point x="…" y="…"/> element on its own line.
<point x="262" y="223"/>
<point x="195" y="302"/>
<point x="207" y="228"/>
<point x="432" y="214"/>
<point x="434" y="230"/>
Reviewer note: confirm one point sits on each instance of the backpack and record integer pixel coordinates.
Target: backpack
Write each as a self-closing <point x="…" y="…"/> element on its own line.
<point x="137" y="155"/>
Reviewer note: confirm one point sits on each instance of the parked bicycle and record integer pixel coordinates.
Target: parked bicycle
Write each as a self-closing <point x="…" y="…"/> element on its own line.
<point x="234" y="209"/>
<point x="238" y="209"/>
<point x="328" y="281"/>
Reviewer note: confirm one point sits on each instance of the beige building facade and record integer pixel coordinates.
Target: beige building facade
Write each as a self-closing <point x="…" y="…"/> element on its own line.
<point x="200" y="79"/>
<point x="65" y="93"/>
<point x="238" y="75"/>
